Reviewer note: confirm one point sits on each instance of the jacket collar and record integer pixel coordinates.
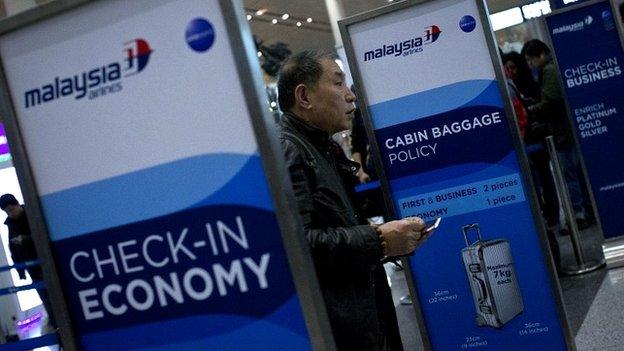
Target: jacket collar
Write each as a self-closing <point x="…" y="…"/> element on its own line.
<point x="321" y="140"/>
<point x="317" y="136"/>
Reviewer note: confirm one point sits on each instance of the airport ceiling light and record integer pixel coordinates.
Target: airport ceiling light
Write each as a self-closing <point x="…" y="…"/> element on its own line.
<point x="536" y="9"/>
<point x="506" y="18"/>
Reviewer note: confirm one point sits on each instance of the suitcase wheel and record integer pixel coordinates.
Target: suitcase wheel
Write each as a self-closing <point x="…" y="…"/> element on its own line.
<point x="480" y="321"/>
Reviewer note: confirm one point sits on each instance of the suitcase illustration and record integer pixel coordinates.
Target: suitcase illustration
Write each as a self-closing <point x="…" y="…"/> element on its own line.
<point x="490" y="271"/>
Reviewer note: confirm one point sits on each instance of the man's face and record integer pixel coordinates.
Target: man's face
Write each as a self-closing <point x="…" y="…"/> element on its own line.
<point x="13" y="211"/>
<point x="331" y="99"/>
<point x="536" y="62"/>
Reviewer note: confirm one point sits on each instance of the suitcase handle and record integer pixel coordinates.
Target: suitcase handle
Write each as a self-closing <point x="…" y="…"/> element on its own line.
<point x="483" y="289"/>
<point x="467" y="228"/>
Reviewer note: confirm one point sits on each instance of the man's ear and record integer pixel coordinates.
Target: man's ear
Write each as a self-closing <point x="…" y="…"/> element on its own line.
<point x="302" y="97"/>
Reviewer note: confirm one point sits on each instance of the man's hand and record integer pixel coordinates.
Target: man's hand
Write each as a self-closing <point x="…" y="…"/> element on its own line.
<point x="402" y="237"/>
<point x="363" y="176"/>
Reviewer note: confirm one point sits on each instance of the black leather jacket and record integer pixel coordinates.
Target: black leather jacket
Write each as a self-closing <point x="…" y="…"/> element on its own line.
<point x="25" y="250"/>
<point x="346" y="250"/>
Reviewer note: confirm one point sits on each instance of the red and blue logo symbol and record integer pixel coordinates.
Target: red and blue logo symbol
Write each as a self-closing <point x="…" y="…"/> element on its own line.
<point x="138" y="53"/>
<point x="432" y="33"/>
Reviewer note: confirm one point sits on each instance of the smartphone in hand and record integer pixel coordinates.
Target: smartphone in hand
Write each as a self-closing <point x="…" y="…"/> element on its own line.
<point x="430" y="227"/>
<point x="428" y="231"/>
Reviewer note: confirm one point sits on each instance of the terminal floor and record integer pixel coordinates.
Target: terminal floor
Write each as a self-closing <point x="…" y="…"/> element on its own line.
<point x="593" y="301"/>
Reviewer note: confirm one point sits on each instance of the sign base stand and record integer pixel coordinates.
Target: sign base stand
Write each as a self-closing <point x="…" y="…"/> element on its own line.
<point x="584" y="268"/>
<point x="614" y="252"/>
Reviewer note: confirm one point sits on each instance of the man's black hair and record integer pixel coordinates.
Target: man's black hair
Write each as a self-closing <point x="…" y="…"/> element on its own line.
<point x="302" y="68"/>
<point x="6" y="200"/>
<point x="535" y="48"/>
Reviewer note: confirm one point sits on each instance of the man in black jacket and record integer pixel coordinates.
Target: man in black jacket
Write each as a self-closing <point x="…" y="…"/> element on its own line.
<point x="22" y="246"/>
<point x="347" y="252"/>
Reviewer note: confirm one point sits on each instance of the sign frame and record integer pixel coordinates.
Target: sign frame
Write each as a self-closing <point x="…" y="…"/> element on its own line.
<point x="291" y="228"/>
<point x="67" y="333"/>
<point x="555" y="6"/>
<point x="570" y="119"/>
<point x="516" y="140"/>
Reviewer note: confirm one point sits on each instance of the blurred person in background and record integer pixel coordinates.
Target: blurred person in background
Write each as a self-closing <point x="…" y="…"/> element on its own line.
<point x="550" y="112"/>
<point x="519" y="72"/>
<point x="22" y="246"/>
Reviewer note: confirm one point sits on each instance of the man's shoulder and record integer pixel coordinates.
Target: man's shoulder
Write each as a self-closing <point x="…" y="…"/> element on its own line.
<point x="296" y="149"/>
<point x="291" y="138"/>
<point x="298" y="146"/>
<point x="549" y="69"/>
<point x="290" y="143"/>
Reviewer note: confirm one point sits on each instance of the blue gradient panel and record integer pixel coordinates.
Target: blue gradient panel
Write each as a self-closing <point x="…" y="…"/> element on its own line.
<point x="210" y="332"/>
<point x="201" y="266"/>
<point x="590" y="57"/>
<point x="455" y="159"/>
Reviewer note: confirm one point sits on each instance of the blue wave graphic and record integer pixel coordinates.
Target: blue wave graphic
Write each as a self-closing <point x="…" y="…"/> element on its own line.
<point x="462" y="94"/>
<point x="245" y="186"/>
<point x="282" y="330"/>
<point x="157" y="191"/>
<point x="472" y="172"/>
<point x="491" y="96"/>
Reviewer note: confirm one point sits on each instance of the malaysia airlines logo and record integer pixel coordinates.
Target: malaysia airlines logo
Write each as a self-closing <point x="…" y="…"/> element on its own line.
<point x="405" y="47"/>
<point x="97" y="82"/>
<point x="588" y="20"/>
<point x="573" y="27"/>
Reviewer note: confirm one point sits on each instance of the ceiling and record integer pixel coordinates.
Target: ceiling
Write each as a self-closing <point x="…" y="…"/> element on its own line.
<point x="318" y="35"/>
<point x="315" y="35"/>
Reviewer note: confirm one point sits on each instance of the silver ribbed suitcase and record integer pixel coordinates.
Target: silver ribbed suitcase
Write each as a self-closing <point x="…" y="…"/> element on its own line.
<point x="490" y="271"/>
